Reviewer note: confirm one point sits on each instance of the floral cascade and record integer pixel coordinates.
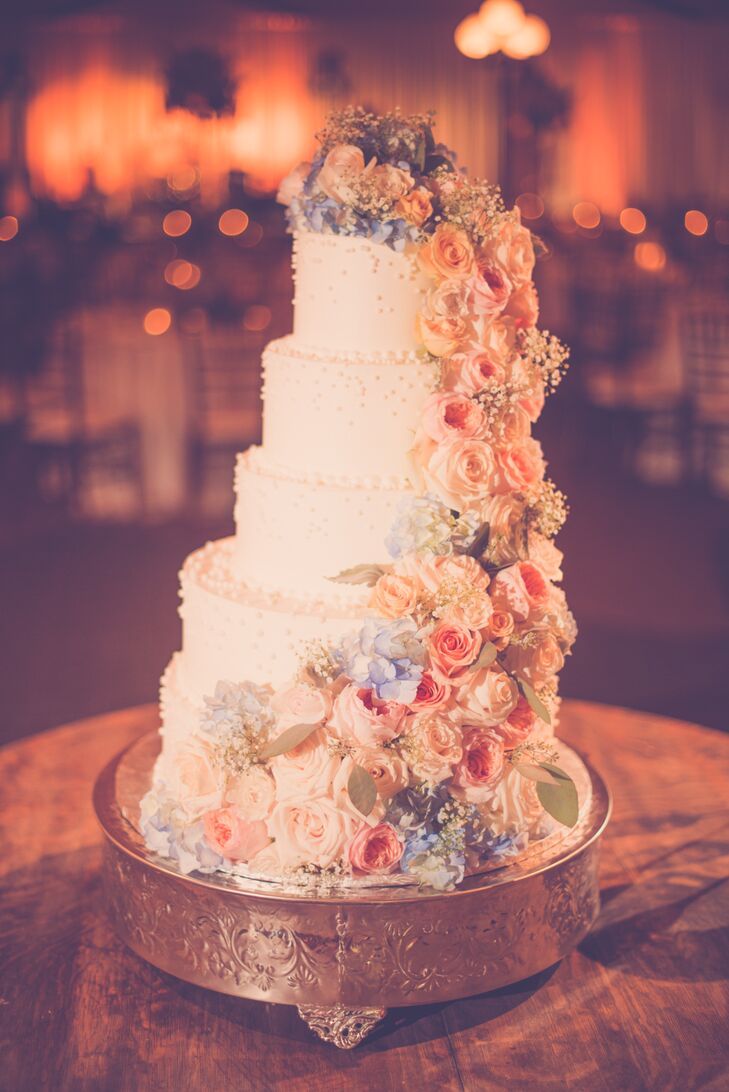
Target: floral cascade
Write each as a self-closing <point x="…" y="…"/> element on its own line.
<point x="421" y="744"/>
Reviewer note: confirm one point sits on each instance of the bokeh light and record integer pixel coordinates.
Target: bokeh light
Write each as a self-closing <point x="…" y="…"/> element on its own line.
<point x="176" y="222"/>
<point x="531" y="40"/>
<point x="586" y="215"/>
<point x="257" y="317"/>
<point x="157" y="321"/>
<point x="473" y="39"/>
<point x="182" y="274"/>
<point x="633" y="221"/>
<point x="695" y="222"/>
<point x="530" y="205"/>
<point x="183" y="179"/>
<point x="252" y="236"/>
<point x="8" y="228"/>
<point x="502" y="18"/>
<point x="233" y="222"/>
<point x="650" y="256"/>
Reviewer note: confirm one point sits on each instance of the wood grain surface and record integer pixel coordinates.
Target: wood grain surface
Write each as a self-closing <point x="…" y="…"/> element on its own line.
<point x="642" y="1004"/>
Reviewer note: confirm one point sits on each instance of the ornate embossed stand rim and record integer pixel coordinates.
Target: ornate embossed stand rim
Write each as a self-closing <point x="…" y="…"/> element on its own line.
<point x="344" y="957"/>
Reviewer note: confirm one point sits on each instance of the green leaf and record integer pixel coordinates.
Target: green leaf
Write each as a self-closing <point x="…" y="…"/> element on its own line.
<point x="486" y="656"/>
<point x="362" y="790"/>
<point x="555" y="771"/>
<point x="288" y="740"/>
<point x="419" y="158"/>
<point x="481" y="541"/>
<point x="535" y="702"/>
<point x="560" y="799"/>
<point x="360" y="574"/>
<point x="534" y="772"/>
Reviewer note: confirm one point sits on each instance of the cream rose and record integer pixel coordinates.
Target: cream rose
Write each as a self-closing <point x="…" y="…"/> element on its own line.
<point x="301" y="705"/>
<point x="360" y="717"/>
<point x="415" y="207"/>
<point x="452" y="649"/>
<point x="251" y="793"/>
<point x="481" y="765"/>
<point x="292" y="184"/>
<point x="387" y="769"/>
<point x="311" y="831"/>
<point x="487" y="697"/>
<point x="308" y="770"/>
<point x="391" y="183"/>
<point x="191" y="778"/>
<point x="448" y="254"/>
<point x="461" y="473"/>
<point x="442" y="324"/>
<point x="434" y="746"/>
<point x="502" y="512"/>
<point x="233" y="836"/>
<point x="538" y="661"/>
<point x="343" y="164"/>
<point x="394" y="595"/>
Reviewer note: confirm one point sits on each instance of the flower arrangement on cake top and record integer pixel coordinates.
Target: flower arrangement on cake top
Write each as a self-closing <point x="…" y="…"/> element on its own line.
<point x="421" y="743"/>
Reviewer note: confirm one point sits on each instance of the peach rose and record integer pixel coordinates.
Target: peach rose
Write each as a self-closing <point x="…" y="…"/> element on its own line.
<point x="453" y="649"/>
<point x="488" y="696"/>
<point x="342" y="166"/>
<point x="415" y="207"/>
<point x="251" y="793"/>
<point x="232" y="836"/>
<point x="544" y="553"/>
<point x="388" y="770"/>
<point x="420" y="568"/>
<point x="431" y="694"/>
<point x="434" y="746"/>
<point x="511" y="248"/>
<point x="481" y="765"/>
<point x="500" y="627"/>
<point x="462" y="567"/>
<point x="311" y="831"/>
<point x="461" y="473"/>
<point x="449" y="414"/>
<point x="533" y="404"/>
<point x="391" y="183"/>
<point x="539" y="661"/>
<point x="308" y="770"/>
<point x="502" y="511"/>
<point x="470" y="372"/>
<point x="448" y="254"/>
<point x="375" y="850"/>
<point x="514" y="428"/>
<point x="394" y="595"/>
<point x="360" y="717"/>
<point x="521" y="466"/>
<point x="442" y="324"/>
<point x="301" y="705"/>
<point x="491" y="289"/>
<point x="518" y="725"/>
<point x="192" y="779"/>
<point x="520" y="589"/>
<point x="523" y="305"/>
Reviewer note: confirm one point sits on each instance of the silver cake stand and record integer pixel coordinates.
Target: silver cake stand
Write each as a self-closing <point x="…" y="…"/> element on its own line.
<point x="346" y="956"/>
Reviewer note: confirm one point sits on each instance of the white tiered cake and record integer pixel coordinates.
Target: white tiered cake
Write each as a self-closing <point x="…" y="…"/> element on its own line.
<point x="336" y="715"/>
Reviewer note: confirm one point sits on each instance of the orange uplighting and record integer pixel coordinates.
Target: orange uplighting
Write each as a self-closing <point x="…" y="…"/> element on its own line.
<point x="233" y="222"/>
<point x="157" y="321"/>
<point x="8" y="228"/>
<point x="194" y="321"/>
<point x="257" y="317"/>
<point x="586" y="215"/>
<point x="176" y="222"/>
<point x="531" y="40"/>
<point x="182" y="274"/>
<point x="650" y="256"/>
<point x="633" y="221"/>
<point x="253" y="235"/>
<point x="473" y="39"/>
<point x="695" y="222"/>
<point x="530" y="205"/>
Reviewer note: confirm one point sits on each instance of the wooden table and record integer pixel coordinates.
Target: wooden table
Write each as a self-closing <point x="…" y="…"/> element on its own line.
<point x="642" y="1004"/>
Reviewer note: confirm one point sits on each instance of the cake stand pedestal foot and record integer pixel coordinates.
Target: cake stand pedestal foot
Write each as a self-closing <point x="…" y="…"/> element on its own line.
<point x="337" y="1024"/>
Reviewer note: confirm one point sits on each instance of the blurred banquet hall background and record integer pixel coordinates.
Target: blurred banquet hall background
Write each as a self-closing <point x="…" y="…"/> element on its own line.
<point x="144" y="264"/>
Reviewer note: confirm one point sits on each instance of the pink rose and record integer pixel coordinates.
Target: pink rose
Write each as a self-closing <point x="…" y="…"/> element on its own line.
<point x="415" y="207"/>
<point x="341" y="168"/>
<point x="511" y="248"/>
<point x="538" y="661"/>
<point x="360" y="717"/>
<point x="446" y="415"/>
<point x="192" y="779"/>
<point x="234" y="837"/>
<point x="252" y="793"/>
<point x="481" y="765"/>
<point x="488" y="696"/>
<point x="491" y="289"/>
<point x="453" y="649"/>
<point x="394" y="595"/>
<point x="434" y="746"/>
<point x="301" y="705"/>
<point x="521" y="466"/>
<point x="307" y="770"/>
<point x="461" y="473"/>
<point x="448" y="254"/>
<point x="391" y="183"/>
<point x="311" y="831"/>
<point x="442" y="324"/>
<point x="432" y="693"/>
<point x="523" y="306"/>
<point x="386" y="767"/>
<point x="375" y="850"/>
<point x="520" y="589"/>
<point x="518" y="725"/>
<point x="471" y="372"/>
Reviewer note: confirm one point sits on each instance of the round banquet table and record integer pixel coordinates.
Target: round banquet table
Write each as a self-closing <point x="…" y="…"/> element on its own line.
<point x="641" y="1004"/>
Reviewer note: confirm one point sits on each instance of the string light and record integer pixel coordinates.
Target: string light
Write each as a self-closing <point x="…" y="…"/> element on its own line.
<point x="233" y="222"/>
<point x="633" y="221"/>
<point x="586" y="215"/>
<point x="157" y="321"/>
<point x="176" y="223"/>
<point x="8" y="228"/>
<point x="695" y="222"/>
<point x="650" y="256"/>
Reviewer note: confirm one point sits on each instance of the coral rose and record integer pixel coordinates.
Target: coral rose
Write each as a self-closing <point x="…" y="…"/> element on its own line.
<point x="301" y="705"/>
<point x="343" y="164"/>
<point x="252" y="793"/>
<point x="488" y="696"/>
<point x="375" y="850"/>
<point x="432" y="693"/>
<point x="453" y="649"/>
<point x="448" y="254"/>
<point x="491" y="290"/>
<point x="521" y="466"/>
<point x="434" y="746"/>
<point x="480" y="767"/>
<point x="520" y="589"/>
<point x="461" y="473"/>
<point x="311" y="831"/>
<point x="234" y="837"/>
<point x="518" y="725"/>
<point x="362" y="718"/>
<point x="470" y="372"/>
<point x="415" y="207"/>
<point x="394" y="595"/>
<point x="450" y="414"/>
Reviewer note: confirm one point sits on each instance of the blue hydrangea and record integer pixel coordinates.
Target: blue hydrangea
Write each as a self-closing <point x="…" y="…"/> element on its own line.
<point x="235" y="705"/>
<point x="387" y="657"/>
<point x="432" y="863"/>
<point x="426" y="524"/>
<point x="167" y="831"/>
<point x="412" y="810"/>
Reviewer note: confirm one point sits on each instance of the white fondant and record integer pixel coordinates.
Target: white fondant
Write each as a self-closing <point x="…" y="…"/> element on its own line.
<point x="352" y="293"/>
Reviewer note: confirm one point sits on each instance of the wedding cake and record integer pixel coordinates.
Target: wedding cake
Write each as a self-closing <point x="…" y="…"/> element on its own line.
<point x="367" y="686"/>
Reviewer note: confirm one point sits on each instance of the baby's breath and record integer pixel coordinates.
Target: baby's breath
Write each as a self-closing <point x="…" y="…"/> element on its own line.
<point x="548" y="511"/>
<point x="547" y="353"/>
